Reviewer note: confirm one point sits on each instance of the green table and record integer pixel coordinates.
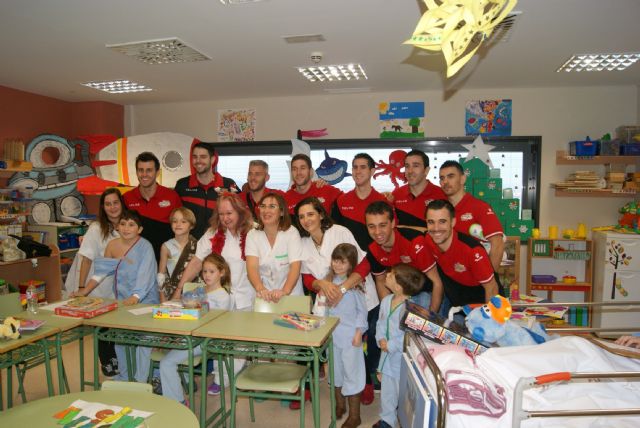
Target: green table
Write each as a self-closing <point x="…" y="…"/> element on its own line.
<point x="71" y="329"/>
<point x="39" y="413"/>
<point x="15" y="351"/>
<point x="123" y="327"/>
<point x="253" y="334"/>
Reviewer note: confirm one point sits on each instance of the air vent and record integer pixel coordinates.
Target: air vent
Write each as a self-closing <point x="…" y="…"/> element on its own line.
<point x="162" y="51"/>
<point x="304" y="38"/>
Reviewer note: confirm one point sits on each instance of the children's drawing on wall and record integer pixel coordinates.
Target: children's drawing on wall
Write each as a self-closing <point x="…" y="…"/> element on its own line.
<point x="236" y="125"/>
<point x="401" y="120"/>
<point x="488" y="117"/>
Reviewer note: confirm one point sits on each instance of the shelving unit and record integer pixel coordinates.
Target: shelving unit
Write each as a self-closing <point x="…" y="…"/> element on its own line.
<point x="46" y="269"/>
<point x="561" y="257"/>
<point x="52" y="232"/>
<point x="14" y="166"/>
<point x="509" y="270"/>
<point x="563" y="158"/>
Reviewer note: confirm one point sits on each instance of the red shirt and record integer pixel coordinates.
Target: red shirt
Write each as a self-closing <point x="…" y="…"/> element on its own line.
<point x="158" y="207"/>
<point x="466" y="264"/>
<point x="414" y="253"/>
<point x="327" y="194"/>
<point x="411" y="209"/>
<point x="348" y="211"/>
<point x="470" y="211"/>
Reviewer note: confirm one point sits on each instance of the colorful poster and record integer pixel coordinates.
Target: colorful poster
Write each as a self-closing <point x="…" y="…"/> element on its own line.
<point x="236" y="125"/>
<point x="401" y="120"/>
<point x="489" y="117"/>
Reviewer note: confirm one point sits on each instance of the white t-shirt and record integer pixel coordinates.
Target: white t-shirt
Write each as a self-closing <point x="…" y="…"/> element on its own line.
<point x="242" y="292"/>
<point x="219" y="299"/>
<point x="317" y="262"/>
<point x="92" y="247"/>
<point x="273" y="262"/>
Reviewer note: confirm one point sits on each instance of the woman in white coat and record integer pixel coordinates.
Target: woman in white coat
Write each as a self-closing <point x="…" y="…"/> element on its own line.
<point x="273" y="251"/>
<point x="95" y="240"/>
<point x="226" y="236"/>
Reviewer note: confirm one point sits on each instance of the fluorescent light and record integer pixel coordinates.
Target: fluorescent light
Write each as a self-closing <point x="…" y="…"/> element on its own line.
<point x="599" y="62"/>
<point x="160" y="51"/>
<point x="118" y="86"/>
<point x="320" y="73"/>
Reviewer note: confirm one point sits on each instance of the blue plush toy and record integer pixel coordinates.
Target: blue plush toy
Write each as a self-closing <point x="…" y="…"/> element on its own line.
<point x="490" y="323"/>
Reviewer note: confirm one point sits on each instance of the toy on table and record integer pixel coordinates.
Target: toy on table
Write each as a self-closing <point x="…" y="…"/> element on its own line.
<point x="491" y="323"/>
<point x="10" y="328"/>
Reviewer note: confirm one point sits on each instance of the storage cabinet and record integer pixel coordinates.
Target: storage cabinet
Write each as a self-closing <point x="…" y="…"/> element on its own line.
<point x="560" y="265"/>
<point x="66" y="236"/>
<point x="616" y="278"/>
<point x="509" y="270"/>
<point x="45" y="269"/>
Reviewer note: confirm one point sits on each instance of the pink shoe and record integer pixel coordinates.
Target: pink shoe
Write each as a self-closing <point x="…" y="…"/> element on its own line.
<point x="213" y="389"/>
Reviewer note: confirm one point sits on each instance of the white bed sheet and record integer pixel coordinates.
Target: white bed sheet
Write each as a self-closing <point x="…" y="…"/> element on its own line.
<point x="504" y="366"/>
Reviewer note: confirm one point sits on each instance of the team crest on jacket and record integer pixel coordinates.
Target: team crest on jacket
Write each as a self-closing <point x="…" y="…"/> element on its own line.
<point x="405" y="259"/>
<point x="466" y="217"/>
<point x="164" y="203"/>
<point x="459" y="267"/>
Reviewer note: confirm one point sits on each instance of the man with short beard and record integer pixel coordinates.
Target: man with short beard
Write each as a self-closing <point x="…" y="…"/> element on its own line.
<point x="256" y="188"/>
<point x="199" y="191"/>
<point x="303" y="187"/>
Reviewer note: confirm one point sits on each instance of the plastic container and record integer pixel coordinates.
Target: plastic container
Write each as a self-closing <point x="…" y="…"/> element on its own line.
<point x="630" y="149"/>
<point x="584" y="148"/>
<point x="543" y="279"/>
<point x="32" y="299"/>
<point x="610" y="148"/>
<point x="626" y="133"/>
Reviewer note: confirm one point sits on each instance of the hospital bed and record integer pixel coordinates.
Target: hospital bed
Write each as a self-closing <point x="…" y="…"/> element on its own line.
<point x="566" y="382"/>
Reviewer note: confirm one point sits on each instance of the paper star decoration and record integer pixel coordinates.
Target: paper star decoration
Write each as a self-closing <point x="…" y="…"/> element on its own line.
<point x="450" y="26"/>
<point x="478" y="149"/>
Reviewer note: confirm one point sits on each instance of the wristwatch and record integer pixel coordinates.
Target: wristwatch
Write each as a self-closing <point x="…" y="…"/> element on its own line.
<point x="343" y="289"/>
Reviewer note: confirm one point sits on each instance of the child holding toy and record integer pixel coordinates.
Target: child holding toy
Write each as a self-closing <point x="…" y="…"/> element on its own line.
<point x="217" y="278"/>
<point x="130" y="259"/>
<point x="176" y="253"/>
<point x="348" y="369"/>
<point x="403" y="281"/>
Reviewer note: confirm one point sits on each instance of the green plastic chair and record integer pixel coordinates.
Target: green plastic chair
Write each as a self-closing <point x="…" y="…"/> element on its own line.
<point x="279" y="380"/>
<point x="117" y="385"/>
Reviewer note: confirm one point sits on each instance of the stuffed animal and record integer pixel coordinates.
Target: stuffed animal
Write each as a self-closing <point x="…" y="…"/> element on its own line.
<point x="10" y="328"/>
<point x="491" y="323"/>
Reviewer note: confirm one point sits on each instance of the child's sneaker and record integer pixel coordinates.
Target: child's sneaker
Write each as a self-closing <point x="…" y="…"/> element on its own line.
<point x="367" y="395"/>
<point x="213" y="389"/>
<point x="156" y="386"/>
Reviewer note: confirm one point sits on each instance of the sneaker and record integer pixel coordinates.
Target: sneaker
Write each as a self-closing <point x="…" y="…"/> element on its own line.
<point x="156" y="385"/>
<point x="367" y="395"/>
<point x="381" y="424"/>
<point x="213" y="389"/>
<point x="295" y="405"/>
<point x="186" y="402"/>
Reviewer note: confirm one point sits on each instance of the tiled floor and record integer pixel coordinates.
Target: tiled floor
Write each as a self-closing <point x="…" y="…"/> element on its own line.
<point x="268" y="413"/>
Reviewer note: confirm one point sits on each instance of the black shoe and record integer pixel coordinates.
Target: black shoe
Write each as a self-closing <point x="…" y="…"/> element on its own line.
<point x="156" y="385"/>
<point x="111" y="368"/>
<point x="381" y="424"/>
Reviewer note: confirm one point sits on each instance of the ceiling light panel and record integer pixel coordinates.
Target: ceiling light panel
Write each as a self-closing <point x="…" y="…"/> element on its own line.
<point x="599" y="62"/>
<point x="162" y="51"/>
<point x="304" y="38"/>
<point x="118" y="86"/>
<point x="332" y="73"/>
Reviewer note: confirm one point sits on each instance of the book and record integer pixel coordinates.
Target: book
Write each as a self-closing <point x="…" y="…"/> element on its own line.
<point x="30" y="325"/>
<point x="299" y="320"/>
<point x="86" y="307"/>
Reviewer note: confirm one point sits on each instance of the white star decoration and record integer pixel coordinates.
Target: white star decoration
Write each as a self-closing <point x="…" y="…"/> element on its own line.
<point x="478" y="149"/>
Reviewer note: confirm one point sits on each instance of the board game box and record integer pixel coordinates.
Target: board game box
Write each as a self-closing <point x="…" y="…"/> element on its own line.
<point x="86" y="307"/>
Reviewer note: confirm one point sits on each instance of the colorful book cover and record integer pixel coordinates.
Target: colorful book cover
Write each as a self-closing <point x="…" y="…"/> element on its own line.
<point x="30" y="325"/>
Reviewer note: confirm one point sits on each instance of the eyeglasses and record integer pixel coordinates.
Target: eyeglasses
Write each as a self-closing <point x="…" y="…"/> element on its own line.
<point x="269" y="206"/>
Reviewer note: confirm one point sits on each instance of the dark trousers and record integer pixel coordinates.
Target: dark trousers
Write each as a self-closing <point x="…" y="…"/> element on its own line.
<point x="372" y="356"/>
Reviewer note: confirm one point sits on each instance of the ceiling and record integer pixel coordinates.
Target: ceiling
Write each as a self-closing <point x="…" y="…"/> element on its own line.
<point x="50" y="47"/>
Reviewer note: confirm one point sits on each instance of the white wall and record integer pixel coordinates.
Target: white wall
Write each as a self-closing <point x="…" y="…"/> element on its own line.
<point x="559" y="115"/>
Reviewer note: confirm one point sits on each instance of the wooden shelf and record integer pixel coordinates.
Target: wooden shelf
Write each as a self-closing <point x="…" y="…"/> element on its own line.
<point x="563" y="158"/>
<point x="596" y="193"/>
<point x="15" y="166"/>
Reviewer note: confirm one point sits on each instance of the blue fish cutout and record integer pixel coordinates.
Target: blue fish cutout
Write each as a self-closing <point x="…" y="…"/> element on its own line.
<point x="332" y="170"/>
